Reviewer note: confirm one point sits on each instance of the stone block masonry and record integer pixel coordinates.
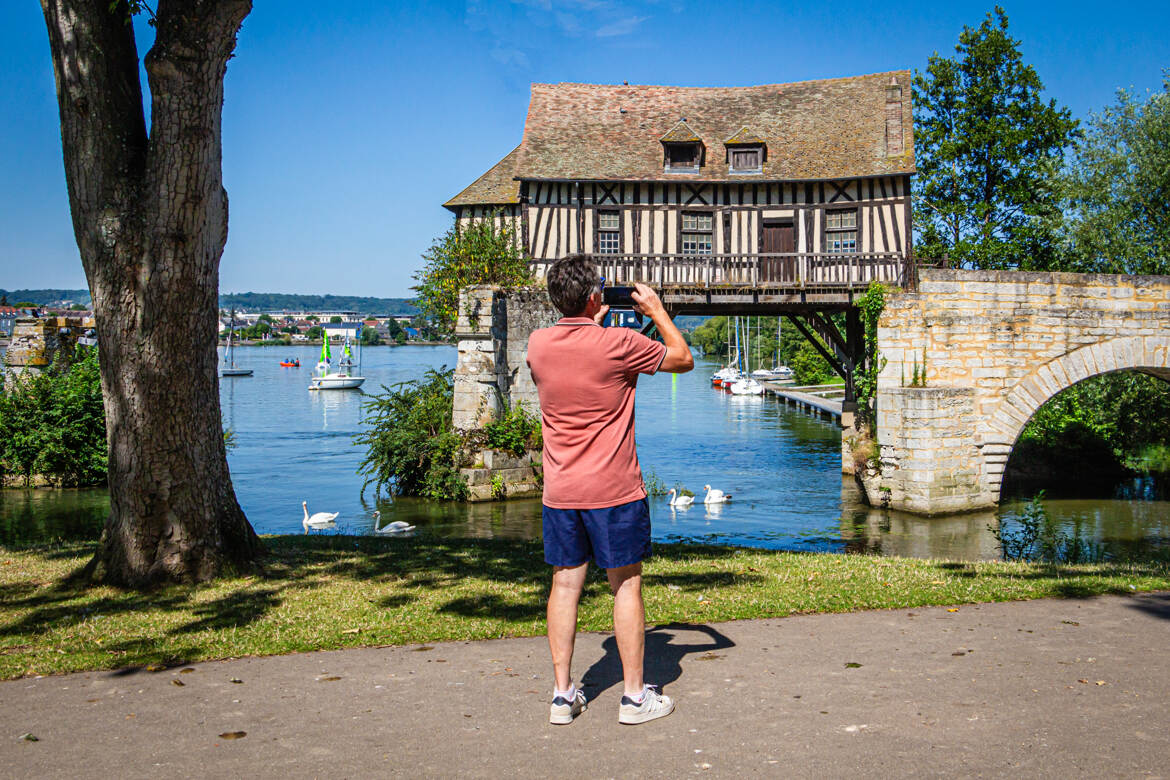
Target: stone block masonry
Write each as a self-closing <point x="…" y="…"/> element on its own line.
<point x="994" y="346"/>
<point x="492" y="373"/>
<point x="492" y="332"/>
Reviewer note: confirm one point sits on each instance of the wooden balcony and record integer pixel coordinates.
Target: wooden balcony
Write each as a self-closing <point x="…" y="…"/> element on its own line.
<point x="752" y="283"/>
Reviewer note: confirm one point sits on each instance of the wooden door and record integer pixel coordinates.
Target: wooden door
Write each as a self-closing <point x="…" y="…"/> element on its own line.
<point x="778" y="237"/>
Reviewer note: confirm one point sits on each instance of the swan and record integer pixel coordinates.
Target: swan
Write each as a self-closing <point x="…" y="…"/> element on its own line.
<point x="680" y="500"/>
<point x="396" y="527"/>
<point x="319" y="520"/>
<point x="715" y="496"/>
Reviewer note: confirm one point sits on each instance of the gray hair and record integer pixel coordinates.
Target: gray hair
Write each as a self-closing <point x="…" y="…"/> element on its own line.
<point x="571" y="280"/>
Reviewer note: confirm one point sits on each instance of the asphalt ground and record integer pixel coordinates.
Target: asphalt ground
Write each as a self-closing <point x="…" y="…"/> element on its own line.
<point x="1050" y="688"/>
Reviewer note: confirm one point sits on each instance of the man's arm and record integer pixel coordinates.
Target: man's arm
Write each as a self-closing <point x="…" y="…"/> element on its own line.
<point x="678" y="358"/>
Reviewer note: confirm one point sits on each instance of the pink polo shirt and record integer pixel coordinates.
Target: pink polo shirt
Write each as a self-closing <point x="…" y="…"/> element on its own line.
<point x="586" y="377"/>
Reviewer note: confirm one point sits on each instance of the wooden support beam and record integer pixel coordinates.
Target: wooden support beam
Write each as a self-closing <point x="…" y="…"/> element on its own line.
<point x="828" y="356"/>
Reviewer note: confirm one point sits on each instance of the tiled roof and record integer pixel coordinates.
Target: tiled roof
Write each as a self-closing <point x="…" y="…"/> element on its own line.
<point x="496" y="187"/>
<point x="744" y="136"/>
<point x="679" y="134"/>
<point x="833" y="128"/>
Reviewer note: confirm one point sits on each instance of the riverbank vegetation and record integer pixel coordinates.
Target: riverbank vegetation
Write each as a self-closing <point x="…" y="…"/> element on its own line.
<point x="412" y="449"/>
<point x="323" y="593"/>
<point x="53" y="424"/>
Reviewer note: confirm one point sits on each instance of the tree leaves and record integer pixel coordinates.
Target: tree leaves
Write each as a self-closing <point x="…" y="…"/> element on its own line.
<point x="479" y="252"/>
<point x="988" y="151"/>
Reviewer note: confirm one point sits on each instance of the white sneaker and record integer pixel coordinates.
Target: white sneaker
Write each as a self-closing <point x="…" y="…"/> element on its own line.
<point x="563" y="711"/>
<point x="653" y="705"/>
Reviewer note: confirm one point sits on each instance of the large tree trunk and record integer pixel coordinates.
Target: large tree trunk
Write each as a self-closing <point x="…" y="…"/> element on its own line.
<point x="150" y="216"/>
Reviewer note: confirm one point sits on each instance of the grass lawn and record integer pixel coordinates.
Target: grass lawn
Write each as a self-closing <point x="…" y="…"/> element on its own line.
<point x="328" y="592"/>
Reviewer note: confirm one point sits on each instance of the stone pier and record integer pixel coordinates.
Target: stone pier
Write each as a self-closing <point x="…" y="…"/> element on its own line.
<point x="492" y="374"/>
<point x="492" y="332"/>
<point x="37" y="342"/>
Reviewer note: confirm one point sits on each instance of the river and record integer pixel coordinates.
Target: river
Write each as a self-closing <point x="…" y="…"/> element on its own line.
<point x="781" y="465"/>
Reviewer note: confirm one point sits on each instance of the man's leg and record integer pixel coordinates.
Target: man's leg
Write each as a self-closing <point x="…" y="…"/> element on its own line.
<point x="629" y="623"/>
<point x="562" y="619"/>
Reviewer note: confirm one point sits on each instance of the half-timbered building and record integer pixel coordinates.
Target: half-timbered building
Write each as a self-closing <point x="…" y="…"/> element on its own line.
<point x="778" y="188"/>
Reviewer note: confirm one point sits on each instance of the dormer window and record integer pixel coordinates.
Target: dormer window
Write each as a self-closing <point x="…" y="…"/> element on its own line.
<point x="682" y="157"/>
<point x="746" y="159"/>
<point x="682" y="150"/>
<point x="745" y="152"/>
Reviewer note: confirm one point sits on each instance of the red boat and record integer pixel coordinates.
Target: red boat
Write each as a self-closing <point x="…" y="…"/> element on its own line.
<point x="294" y="364"/>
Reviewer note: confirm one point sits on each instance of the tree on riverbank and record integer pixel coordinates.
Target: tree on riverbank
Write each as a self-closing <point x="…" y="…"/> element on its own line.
<point x="150" y="218"/>
<point x="987" y="149"/>
<point x="481" y="252"/>
<point x="1118" y="189"/>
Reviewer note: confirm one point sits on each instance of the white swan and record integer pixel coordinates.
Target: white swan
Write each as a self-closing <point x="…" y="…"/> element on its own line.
<point x="396" y="527"/>
<point x="715" y="496"/>
<point x="318" y="521"/>
<point x="680" y="500"/>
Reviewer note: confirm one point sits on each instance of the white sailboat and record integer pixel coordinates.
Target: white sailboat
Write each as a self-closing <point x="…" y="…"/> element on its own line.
<point x="745" y="385"/>
<point x="229" y="367"/>
<point x="777" y="371"/>
<point x="343" y="378"/>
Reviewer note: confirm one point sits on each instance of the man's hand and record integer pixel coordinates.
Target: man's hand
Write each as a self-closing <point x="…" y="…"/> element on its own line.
<point x="599" y="317"/>
<point x="646" y="301"/>
<point x="678" y="358"/>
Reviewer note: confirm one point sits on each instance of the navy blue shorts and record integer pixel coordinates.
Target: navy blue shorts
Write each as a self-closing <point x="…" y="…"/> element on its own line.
<point x="613" y="536"/>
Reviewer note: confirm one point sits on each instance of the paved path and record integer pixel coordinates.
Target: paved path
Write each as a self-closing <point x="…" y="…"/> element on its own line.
<point x="990" y="690"/>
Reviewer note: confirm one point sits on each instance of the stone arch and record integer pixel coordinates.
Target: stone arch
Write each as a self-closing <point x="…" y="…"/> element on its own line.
<point x="1148" y="354"/>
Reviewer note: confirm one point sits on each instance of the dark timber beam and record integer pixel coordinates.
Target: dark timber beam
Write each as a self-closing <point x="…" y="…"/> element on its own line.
<point x="816" y="342"/>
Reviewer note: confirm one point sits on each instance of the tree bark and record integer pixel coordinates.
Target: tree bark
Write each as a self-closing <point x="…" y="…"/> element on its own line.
<point x="150" y="217"/>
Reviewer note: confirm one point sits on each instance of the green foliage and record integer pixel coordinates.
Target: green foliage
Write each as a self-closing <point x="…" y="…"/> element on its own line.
<point x="1097" y="428"/>
<point x="477" y="253"/>
<point x="1035" y="537"/>
<point x="499" y="492"/>
<point x="335" y="319"/>
<point x="411" y="448"/>
<point x="1118" y="188"/>
<point x="653" y="485"/>
<point x="53" y="424"/>
<point x="865" y="376"/>
<point x="809" y="367"/>
<point x="987" y="151"/>
<point x="683" y="491"/>
<point x="369" y="337"/>
<point x="516" y="431"/>
<point x="315" y="332"/>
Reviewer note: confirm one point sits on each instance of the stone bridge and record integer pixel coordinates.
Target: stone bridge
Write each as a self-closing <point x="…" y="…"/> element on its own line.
<point x="994" y="346"/>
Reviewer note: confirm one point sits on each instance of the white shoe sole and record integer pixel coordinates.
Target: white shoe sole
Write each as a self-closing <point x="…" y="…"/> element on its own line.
<point x="564" y="718"/>
<point x="636" y="717"/>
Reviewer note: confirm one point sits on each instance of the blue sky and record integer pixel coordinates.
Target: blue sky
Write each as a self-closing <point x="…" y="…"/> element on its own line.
<point x="347" y="124"/>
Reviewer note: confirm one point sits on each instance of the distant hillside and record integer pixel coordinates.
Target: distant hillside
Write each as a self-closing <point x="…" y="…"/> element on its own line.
<point x="45" y="297"/>
<point x="251" y="301"/>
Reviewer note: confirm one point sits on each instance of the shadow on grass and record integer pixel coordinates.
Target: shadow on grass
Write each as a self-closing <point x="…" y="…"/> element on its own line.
<point x="512" y="573"/>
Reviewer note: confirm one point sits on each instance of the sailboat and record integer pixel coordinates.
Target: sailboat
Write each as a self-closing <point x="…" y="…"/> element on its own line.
<point x="229" y="367"/>
<point x="777" y="371"/>
<point x="745" y="385"/>
<point x="341" y="379"/>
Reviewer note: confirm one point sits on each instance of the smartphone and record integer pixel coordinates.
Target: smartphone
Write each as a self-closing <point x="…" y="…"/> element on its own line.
<point x="618" y="297"/>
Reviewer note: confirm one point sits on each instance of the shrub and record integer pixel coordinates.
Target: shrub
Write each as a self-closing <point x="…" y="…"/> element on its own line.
<point x="516" y="431"/>
<point x="53" y="423"/>
<point x="411" y="447"/>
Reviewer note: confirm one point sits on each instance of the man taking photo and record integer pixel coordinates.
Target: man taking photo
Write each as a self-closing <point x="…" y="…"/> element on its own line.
<point x="595" y="504"/>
